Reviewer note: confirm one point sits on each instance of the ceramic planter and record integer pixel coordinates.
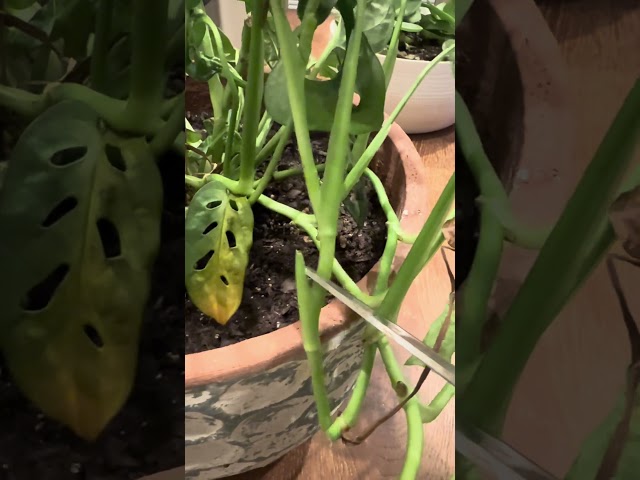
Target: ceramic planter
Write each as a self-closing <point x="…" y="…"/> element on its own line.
<point x="248" y="404"/>
<point x="432" y="106"/>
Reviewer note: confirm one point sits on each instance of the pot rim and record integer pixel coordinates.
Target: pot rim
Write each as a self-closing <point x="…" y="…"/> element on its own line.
<point x="402" y="61"/>
<point x="263" y="352"/>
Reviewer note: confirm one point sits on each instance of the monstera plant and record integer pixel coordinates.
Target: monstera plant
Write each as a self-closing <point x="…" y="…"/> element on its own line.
<point x="81" y="200"/>
<point x="301" y="96"/>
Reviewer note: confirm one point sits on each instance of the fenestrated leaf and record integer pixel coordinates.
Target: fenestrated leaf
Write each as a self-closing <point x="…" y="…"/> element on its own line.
<point x="218" y="237"/>
<point x="79" y="216"/>
<point x="625" y="219"/>
<point x="322" y="96"/>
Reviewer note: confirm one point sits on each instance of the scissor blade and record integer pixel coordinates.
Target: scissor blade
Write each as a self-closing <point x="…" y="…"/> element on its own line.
<point x="427" y="355"/>
<point x="496" y="457"/>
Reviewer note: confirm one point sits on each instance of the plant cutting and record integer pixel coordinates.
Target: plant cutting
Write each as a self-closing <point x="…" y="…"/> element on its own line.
<point x="86" y="213"/>
<point x="489" y="367"/>
<point x="234" y="174"/>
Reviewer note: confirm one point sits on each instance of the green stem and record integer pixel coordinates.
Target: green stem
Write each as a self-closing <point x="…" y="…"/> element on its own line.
<point x="571" y="244"/>
<point x="312" y="344"/>
<point x="430" y="412"/>
<point x="231" y="127"/>
<point x="293" y="65"/>
<point x="420" y="254"/>
<point x="273" y="163"/>
<point x="333" y="43"/>
<point x="363" y="162"/>
<point x="99" y="64"/>
<point x="415" y="431"/>
<point x="479" y="283"/>
<point x="253" y="104"/>
<point x="269" y="148"/>
<point x="392" y="51"/>
<point x="349" y="417"/>
<point x="149" y="39"/>
<point x="166" y="136"/>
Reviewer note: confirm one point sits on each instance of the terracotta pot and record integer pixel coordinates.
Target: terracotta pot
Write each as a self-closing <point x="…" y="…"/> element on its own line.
<point x="248" y="404"/>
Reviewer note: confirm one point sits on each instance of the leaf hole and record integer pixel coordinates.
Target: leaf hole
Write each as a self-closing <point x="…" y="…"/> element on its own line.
<point x="224" y="280"/>
<point x="214" y="204"/>
<point x="233" y="204"/>
<point x="68" y="156"/>
<point x="210" y="227"/>
<point x="93" y="335"/>
<point x="60" y="210"/>
<point x="231" y="239"/>
<point x="40" y="295"/>
<point x="202" y="263"/>
<point x="109" y="237"/>
<point x="114" y="155"/>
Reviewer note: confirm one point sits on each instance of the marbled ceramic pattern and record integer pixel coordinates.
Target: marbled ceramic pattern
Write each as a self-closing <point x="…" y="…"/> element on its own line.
<point x="246" y="423"/>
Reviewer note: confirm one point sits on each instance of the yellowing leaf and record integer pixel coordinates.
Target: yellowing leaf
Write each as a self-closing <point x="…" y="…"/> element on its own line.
<point x="219" y="235"/>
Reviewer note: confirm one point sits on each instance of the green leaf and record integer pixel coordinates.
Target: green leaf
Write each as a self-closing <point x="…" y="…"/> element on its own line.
<point x="82" y="206"/>
<point x="322" y="96"/>
<point x="322" y="12"/>
<point x="411" y="27"/>
<point x="219" y="235"/>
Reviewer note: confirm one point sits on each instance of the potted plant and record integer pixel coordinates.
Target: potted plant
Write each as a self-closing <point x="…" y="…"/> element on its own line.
<point x="90" y="118"/>
<point x="497" y="343"/>
<point x="428" y="27"/>
<point x="257" y="212"/>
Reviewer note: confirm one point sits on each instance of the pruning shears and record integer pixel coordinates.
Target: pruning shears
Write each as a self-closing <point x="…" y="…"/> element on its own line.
<point x="486" y="452"/>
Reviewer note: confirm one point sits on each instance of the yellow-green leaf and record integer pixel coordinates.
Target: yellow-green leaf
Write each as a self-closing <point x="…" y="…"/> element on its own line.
<point x="219" y="235"/>
<point x="80" y="221"/>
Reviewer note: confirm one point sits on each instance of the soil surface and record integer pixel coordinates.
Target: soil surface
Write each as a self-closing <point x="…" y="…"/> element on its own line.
<point x="415" y="47"/>
<point x="147" y="436"/>
<point x="269" y="301"/>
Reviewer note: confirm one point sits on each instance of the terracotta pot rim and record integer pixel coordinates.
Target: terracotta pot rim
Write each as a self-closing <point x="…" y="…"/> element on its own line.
<point x="265" y="351"/>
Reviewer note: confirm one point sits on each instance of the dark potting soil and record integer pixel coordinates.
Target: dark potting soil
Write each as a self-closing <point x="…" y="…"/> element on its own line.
<point x="416" y="47"/>
<point x="269" y="300"/>
<point x="147" y="435"/>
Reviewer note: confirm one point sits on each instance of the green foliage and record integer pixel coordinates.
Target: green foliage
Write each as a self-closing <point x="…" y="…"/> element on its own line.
<point x="76" y="266"/>
<point x="322" y="96"/>
<point x="219" y="235"/>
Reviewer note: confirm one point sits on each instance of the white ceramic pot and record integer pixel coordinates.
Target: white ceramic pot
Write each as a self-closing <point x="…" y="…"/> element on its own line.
<point x="432" y="106"/>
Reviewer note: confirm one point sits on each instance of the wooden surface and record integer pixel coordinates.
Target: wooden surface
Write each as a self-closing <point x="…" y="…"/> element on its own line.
<point x="577" y="370"/>
<point x="382" y="455"/>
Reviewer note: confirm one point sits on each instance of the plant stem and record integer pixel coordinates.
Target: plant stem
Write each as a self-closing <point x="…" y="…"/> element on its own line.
<point x="392" y="51"/>
<point x="273" y="163"/>
<point x="312" y="344"/>
<point x="255" y="87"/>
<point x="349" y="417"/>
<point x="293" y="65"/>
<point x="415" y="432"/>
<point x="333" y="43"/>
<point x="362" y="163"/>
<point x="479" y="283"/>
<point x="430" y="412"/>
<point x="421" y="252"/>
<point x="99" y="64"/>
<point x="570" y="245"/>
<point x="231" y="127"/>
<point x="164" y="139"/>
<point x="149" y="39"/>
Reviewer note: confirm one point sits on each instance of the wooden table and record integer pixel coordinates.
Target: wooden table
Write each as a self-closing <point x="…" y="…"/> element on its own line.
<point x="577" y="370"/>
<point x="382" y="455"/>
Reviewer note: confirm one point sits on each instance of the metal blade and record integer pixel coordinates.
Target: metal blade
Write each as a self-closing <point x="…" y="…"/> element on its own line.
<point x="493" y="456"/>
<point x="410" y="343"/>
